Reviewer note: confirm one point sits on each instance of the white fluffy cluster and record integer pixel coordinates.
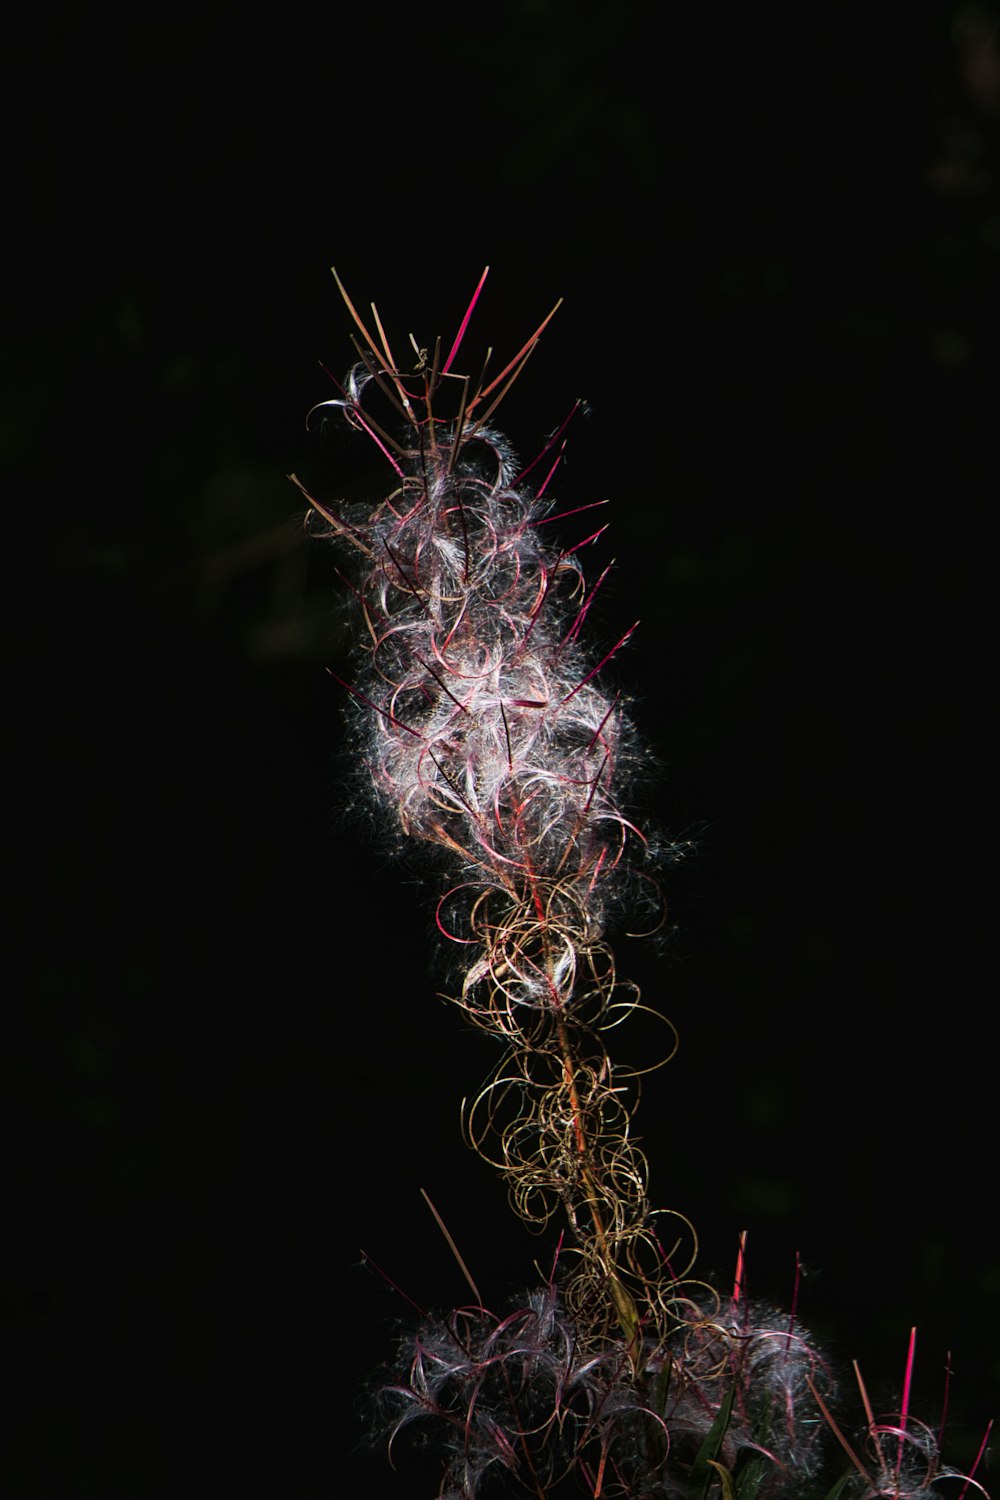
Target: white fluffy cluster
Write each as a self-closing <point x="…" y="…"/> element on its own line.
<point x="487" y="732"/>
<point x="520" y="1395"/>
<point x="487" y="735"/>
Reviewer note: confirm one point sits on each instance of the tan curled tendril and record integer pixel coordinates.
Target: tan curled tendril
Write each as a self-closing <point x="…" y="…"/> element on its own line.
<point x="488" y="736"/>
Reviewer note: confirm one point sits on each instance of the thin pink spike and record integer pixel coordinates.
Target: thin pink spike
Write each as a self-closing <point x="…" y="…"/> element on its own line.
<point x="560" y="515"/>
<point x="549" y="581"/>
<point x="369" y="704"/>
<point x="354" y="415"/>
<point x="545" y="482"/>
<point x="603" y="661"/>
<point x="738" y="1288"/>
<point x="550" y="444"/>
<point x="411" y="584"/>
<point x="908" y="1377"/>
<point x="795" y="1302"/>
<point x="395" y="1285"/>
<point x="465" y="322"/>
<point x="905" y="1405"/>
<point x="518" y="359"/>
<point x="597" y="732"/>
<point x="456" y="789"/>
<point x="947" y="1395"/>
<point x="440" y="682"/>
<point x="597" y="870"/>
<point x="340" y="388"/>
<point x="587" y="540"/>
<point x="349" y="584"/>
<point x="588" y="802"/>
<point x="510" y="752"/>
<point x="555" y="1259"/>
<point x="581" y="614"/>
<point x="664" y="1257"/>
<point x="979" y="1456"/>
<point x="500" y="395"/>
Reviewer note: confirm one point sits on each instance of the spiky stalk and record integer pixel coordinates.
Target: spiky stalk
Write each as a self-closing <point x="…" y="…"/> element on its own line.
<point x="488" y="735"/>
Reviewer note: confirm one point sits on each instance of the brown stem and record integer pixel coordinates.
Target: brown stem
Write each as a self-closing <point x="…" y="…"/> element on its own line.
<point x="625" y="1308"/>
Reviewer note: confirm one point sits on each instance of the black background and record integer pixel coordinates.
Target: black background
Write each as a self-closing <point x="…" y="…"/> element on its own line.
<point x="778" y="237"/>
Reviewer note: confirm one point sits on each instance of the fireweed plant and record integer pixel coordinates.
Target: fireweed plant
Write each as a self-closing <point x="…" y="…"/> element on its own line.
<point x="485" y="731"/>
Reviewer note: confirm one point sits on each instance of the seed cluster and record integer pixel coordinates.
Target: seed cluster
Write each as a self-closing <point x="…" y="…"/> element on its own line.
<point x="490" y="736"/>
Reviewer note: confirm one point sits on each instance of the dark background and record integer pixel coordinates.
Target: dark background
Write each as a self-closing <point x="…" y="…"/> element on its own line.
<point x="778" y="234"/>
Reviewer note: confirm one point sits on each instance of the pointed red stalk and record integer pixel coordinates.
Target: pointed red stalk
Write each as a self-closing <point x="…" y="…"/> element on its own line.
<point x="545" y="482"/>
<point x="560" y="515"/>
<point x="905" y="1404"/>
<point x="581" y="614"/>
<point x="395" y="1286"/>
<point x="587" y="541"/>
<point x="374" y="706"/>
<point x="600" y="728"/>
<point x="550" y="444"/>
<point x="947" y="1395"/>
<point x="795" y="1303"/>
<point x="738" y="1288"/>
<point x="978" y="1460"/>
<point x="516" y="364"/>
<point x="465" y="323"/>
<point x="604" y="659"/>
